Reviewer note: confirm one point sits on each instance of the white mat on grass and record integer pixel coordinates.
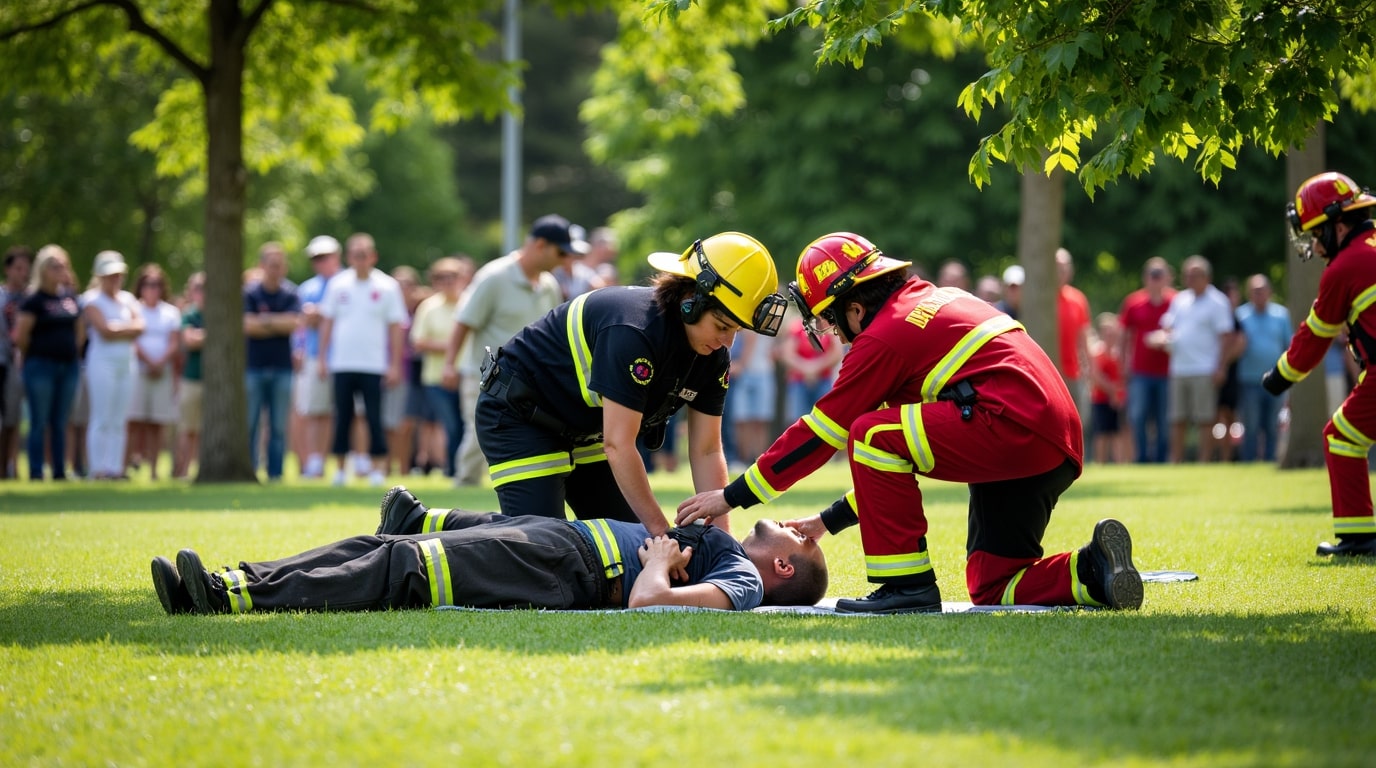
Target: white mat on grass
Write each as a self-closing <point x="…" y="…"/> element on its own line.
<point x="827" y="607"/>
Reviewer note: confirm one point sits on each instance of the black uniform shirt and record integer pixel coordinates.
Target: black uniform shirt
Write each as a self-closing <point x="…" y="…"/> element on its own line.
<point x="640" y="358"/>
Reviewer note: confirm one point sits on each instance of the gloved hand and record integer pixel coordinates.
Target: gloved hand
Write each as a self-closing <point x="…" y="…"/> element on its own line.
<point x="1275" y="383"/>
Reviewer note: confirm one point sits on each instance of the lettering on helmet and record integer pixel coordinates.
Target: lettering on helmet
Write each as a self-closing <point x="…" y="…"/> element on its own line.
<point x="852" y="249"/>
<point x="1341" y="187"/>
<point x="824" y="270"/>
<point x="928" y="307"/>
<point x="642" y="371"/>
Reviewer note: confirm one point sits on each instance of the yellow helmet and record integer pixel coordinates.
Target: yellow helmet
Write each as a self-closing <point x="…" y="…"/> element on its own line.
<point x="733" y="272"/>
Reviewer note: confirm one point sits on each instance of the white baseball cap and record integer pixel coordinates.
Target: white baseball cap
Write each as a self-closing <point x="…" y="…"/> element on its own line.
<point x="109" y="263"/>
<point x="1014" y="275"/>
<point x="321" y="245"/>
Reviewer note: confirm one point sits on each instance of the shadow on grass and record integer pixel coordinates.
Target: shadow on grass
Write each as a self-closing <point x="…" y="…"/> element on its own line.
<point x="36" y="499"/>
<point x="1283" y="688"/>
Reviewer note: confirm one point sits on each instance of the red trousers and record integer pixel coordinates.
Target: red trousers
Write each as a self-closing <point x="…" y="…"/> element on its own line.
<point x="1015" y="478"/>
<point x="1348" y="438"/>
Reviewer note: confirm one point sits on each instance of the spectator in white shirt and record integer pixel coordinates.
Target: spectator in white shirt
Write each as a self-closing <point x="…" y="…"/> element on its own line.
<point x="361" y="343"/>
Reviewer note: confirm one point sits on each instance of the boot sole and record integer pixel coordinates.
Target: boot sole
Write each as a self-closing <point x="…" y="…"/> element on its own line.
<point x="189" y="562"/>
<point x="172" y="593"/>
<point x="1123" y="587"/>
<point x="892" y="611"/>
<point x="384" y="521"/>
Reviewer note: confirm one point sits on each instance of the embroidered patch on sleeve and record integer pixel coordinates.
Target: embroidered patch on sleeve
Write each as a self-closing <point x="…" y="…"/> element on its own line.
<point x="642" y="371"/>
<point x="725" y="380"/>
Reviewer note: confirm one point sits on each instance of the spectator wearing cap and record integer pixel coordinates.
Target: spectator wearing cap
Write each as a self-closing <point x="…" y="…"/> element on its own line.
<point x="506" y="295"/>
<point x="1011" y="303"/>
<point x="361" y="343"/>
<point x="311" y="395"/>
<point x="114" y="321"/>
<point x="271" y="311"/>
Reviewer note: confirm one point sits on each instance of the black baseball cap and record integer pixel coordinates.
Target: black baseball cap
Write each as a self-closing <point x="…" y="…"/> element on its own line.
<point x="557" y="230"/>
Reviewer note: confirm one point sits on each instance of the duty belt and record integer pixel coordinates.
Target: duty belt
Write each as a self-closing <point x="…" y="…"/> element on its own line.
<point x="502" y="383"/>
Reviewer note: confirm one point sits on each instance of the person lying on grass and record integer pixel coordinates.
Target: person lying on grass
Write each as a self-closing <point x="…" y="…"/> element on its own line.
<point x="489" y="560"/>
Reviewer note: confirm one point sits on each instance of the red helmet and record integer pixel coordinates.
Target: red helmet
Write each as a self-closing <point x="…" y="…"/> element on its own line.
<point x="831" y="265"/>
<point x="1322" y="199"/>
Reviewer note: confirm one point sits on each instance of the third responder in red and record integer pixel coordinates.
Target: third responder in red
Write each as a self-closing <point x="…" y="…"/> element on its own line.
<point x="941" y="384"/>
<point x="563" y="400"/>
<point x="1331" y="218"/>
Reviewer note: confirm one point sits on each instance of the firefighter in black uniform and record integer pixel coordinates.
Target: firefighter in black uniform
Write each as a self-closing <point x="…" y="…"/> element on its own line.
<point x="563" y="401"/>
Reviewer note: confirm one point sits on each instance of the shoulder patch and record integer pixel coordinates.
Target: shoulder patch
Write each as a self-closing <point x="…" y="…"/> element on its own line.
<point x="642" y="371"/>
<point x="725" y="379"/>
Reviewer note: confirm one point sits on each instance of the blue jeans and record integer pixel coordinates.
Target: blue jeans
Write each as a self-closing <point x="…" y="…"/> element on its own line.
<point x="444" y="404"/>
<point x="1260" y="415"/>
<point x="1147" y="401"/>
<point x="269" y="388"/>
<point x="801" y="396"/>
<point x="50" y="386"/>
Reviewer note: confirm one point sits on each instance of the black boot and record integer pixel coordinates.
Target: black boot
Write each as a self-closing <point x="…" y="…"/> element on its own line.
<point x="401" y="512"/>
<point x="207" y="589"/>
<point x="172" y="593"/>
<point x="895" y="598"/>
<point x="1106" y="567"/>
<point x="1350" y="546"/>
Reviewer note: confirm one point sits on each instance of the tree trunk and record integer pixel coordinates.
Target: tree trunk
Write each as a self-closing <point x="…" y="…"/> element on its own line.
<point x="224" y="435"/>
<point x="1308" y="398"/>
<point x="1039" y="235"/>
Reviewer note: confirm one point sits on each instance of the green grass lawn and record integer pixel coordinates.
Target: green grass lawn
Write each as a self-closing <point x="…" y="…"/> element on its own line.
<point x="1268" y="659"/>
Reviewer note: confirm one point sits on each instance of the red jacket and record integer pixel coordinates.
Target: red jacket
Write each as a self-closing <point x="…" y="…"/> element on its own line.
<point x="914" y="348"/>
<point x="1347" y="293"/>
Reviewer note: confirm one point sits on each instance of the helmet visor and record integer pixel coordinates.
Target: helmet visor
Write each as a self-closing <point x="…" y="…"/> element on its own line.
<point x="1300" y="240"/>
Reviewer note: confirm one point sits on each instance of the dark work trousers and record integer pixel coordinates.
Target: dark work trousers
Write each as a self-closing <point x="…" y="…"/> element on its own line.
<point x="493" y="561"/>
<point x="369" y="387"/>
<point x="551" y="470"/>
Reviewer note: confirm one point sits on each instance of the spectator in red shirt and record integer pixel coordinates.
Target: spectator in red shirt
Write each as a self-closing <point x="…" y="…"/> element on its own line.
<point x="1108" y="392"/>
<point x="1148" y="368"/>
<point x="1072" y="316"/>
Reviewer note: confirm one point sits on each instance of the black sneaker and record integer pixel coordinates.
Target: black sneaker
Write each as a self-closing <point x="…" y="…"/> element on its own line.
<point x="207" y="589"/>
<point x="401" y="512"/>
<point x="1113" y="581"/>
<point x="1349" y="547"/>
<point x="172" y="592"/>
<point x="895" y="598"/>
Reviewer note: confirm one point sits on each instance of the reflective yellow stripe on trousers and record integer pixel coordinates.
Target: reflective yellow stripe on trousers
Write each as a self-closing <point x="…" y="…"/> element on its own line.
<point x="529" y="467"/>
<point x="236" y="581"/>
<point x="437" y="570"/>
<point x="889" y="566"/>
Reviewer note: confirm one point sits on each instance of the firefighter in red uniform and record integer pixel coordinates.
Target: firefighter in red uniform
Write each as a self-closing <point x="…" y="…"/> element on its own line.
<point x="1331" y="217"/>
<point x="941" y="384"/>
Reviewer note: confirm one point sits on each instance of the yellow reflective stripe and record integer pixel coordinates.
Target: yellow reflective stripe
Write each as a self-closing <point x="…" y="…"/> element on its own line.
<point x="1350" y="432"/>
<point x="874" y="458"/>
<point x="916" y="436"/>
<point x="947" y="367"/>
<point x="854" y="505"/>
<point x="1362" y="303"/>
<point x="434" y="520"/>
<point x="759" y="486"/>
<point x="532" y="466"/>
<point x="1078" y="590"/>
<point x="1320" y="328"/>
<point x="1288" y="371"/>
<point x="437" y="570"/>
<point x="1346" y="526"/>
<point x="582" y="353"/>
<point x="608" y="550"/>
<point x="588" y="454"/>
<point x="236" y="582"/>
<point x="889" y="566"/>
<point x="1340" y="447"/>
<point x="832" y="434"/>
<point x="1012" y="587"/>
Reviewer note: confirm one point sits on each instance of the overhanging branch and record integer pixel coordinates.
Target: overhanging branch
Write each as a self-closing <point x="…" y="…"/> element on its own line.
<point x="50" y="22"/>
<point x="137" y="23"/>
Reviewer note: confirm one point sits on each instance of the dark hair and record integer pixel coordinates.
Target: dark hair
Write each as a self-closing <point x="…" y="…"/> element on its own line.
<point x="16" y="252"/>
<point x="151" y="273"/>
<point x="672" y="290"/>
<point x="808" y="585"/>
<point x="871" y="294"/>
<point x="1351" y="218"/>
